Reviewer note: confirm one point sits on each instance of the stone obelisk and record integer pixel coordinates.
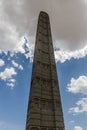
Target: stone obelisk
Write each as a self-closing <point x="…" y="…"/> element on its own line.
<point x="44" y="107"/>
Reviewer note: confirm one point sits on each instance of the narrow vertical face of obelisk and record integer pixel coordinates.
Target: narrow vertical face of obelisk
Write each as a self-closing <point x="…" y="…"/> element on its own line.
<point x="44" y="107"/>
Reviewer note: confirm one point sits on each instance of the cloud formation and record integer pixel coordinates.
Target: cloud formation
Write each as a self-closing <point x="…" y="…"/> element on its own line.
<point x="78" y="128"/>
<point x="81" y="106"/>
<point x="1" y="62"/>
<point x="63" y="55"/>
<point x="68" y="21"/>
<point x="17" y="65"/>
<point x="78" y="85"/>
<point x="7" y="75"/>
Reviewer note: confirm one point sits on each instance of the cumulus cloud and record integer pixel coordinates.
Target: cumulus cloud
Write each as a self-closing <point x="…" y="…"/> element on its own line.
<point x="7" y="75"/>
<point x="10" y="85"/>
<point x="20" y="67"/>
<point x="30" y="49"/>
<point x="14" y="63"/>
<point x="12" y="80"/>
<point x="68" y="21"/>
<point x="17" y="65"/>
<point x="78" y="128"/>
<point x="19" y="46"/>
<point x="1" y="62"/>
<point x="63" y="55"/>
<point x="81" y="106"/>
<point x="78" y="85"/>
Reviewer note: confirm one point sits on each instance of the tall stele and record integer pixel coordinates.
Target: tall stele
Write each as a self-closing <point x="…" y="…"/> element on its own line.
<point x="44" y="107"/>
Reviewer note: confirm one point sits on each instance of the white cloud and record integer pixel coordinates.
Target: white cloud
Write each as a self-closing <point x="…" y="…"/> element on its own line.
<point x="30" y="48"/>
<point x="19" y="18"/>
<point x="78" y="85"/>
<point x="19" y="46"/>
<point x="10" y="85"/>
<point x="7" y="73"/>
<point x="20" y="67"/>
<point x="63" y="55"/>
<point x="60" y="54"/>
<point x="12" y="80"/>
<point x="14" y="63"/>
<point x="1" y="62"/>
<point x="81" y="106"/>
<point x="78" y="128"/>
<point x="17" y="65"/>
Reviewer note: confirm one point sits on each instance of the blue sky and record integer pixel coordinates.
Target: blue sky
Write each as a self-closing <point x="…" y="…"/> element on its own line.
<point x="18" y="22"/>
<point x="14" y="99"/>
<point x="67" y="70"/>
<point x="14" y="93"/>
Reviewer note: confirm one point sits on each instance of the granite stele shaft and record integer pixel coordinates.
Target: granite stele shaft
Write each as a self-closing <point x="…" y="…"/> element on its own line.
<point x="44" y="107"/>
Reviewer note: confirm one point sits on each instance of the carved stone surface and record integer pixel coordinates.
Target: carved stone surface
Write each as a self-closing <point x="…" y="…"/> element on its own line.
<point x="44" y="107"/>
